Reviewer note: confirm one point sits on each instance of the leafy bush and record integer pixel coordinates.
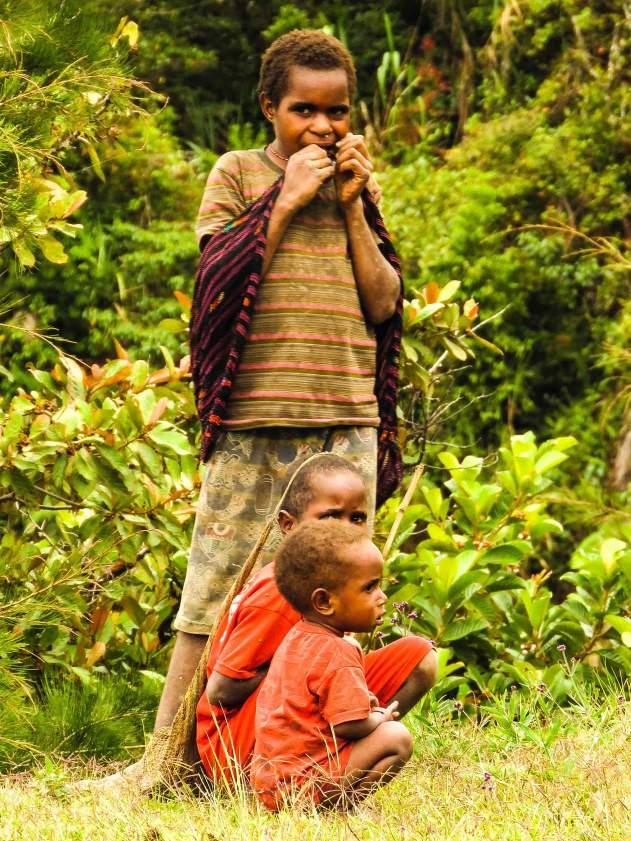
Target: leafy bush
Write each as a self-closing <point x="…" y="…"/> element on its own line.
<point x="98" y="476"/>
<point x="469" y="570"/>
<point x="61" y="85"/>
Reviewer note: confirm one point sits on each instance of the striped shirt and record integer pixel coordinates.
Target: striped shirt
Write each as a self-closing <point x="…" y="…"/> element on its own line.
<point x="310" y="355"/>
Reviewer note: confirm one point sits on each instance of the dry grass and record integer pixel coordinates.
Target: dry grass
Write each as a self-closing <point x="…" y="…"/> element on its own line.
<point x="466" y="782"/>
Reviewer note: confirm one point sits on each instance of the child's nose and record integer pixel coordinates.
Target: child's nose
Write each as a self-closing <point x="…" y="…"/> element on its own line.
<point x="321" y="124"/>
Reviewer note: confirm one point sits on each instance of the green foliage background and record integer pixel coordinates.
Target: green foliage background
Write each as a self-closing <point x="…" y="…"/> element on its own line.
<point x="501" y="137"/>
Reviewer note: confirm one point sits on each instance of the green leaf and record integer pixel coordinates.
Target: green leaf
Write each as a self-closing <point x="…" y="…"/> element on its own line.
<point x="448" y="291"/>
<point x="23" y="253"/>
<point x="170" y="439"/>
<point x="463" y="628"/>
<point x="76" y="387"/>
<point x="508" y="553"/>
<point x="434" y="499"/>
<point x="622" y="625"/>
<point x="549" y="460"/>
<point x="455" y="348"/>
<point x="133" y="610"/>
<point x="139" y="374"/>
<point x="52" y="249"/>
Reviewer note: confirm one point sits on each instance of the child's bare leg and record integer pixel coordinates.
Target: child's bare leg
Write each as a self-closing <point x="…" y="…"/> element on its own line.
<point x="420" y="681"/>
<point x="187" y="651"/>
<point x="373" y="761"/>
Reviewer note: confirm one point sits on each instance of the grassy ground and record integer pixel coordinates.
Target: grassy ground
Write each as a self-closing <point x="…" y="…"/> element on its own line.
<point x="517" y="774"/>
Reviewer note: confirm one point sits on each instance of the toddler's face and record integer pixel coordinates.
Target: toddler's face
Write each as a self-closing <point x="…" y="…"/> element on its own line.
<point x="315" y="109"/>
<point x="359" y="604"/>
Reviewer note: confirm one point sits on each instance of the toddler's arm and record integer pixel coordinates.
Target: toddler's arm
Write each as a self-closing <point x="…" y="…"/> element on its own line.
<point x="358" y="729"/>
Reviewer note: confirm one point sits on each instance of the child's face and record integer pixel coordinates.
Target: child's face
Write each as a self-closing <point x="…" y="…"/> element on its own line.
<point x="315" y="109"/>
<point x="359" y="604"/>
<point x="337" y="496"/>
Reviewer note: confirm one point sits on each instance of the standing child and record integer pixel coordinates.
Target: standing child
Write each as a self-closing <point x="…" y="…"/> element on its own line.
<point x="328" y="488"/>
<point x="320" y="738"/>
<point x="295" y="324"/>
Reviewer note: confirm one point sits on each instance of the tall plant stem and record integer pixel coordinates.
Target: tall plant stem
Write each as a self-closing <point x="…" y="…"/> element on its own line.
<point x="416" y="476"/>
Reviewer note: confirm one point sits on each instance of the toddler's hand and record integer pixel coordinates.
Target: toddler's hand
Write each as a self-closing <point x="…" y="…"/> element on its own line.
<point x="390" y="713"/>
<point x="352" y="168"/>
<point x="306" y="171"/>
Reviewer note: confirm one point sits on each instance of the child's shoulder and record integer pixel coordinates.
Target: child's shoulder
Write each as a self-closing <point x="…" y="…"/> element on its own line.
<point x="239" y="160"/>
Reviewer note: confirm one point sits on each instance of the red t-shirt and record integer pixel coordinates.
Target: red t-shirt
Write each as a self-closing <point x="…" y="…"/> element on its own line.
<point x="257" y="622"/>
<point x="316" y="680"/>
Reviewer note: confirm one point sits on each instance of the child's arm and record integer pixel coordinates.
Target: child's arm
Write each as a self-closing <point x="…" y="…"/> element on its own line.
<point x="306" y="171"/>
<point x="378" y="284"/>
<point x="353" y="730"/>
<point x="225" y="691"/>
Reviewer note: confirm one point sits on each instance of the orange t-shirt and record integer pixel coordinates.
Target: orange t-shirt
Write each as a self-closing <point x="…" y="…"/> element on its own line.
<point x="316" y="680"/>
<point x="257" y="622"/>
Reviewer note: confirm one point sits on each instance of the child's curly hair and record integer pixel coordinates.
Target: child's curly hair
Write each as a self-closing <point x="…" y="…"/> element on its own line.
<point x="310" y="557"/>
<point x="306" y="48"/>
<point x="301" y="493"/>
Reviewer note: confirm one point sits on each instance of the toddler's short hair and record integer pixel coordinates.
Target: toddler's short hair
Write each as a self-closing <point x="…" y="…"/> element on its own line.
<point x="305" y="48"/>
<point x="309" y="558"/>
<point x="300" y="493"/>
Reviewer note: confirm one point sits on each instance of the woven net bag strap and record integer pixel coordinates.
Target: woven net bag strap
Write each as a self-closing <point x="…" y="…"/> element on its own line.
<point x="171" y="752"/>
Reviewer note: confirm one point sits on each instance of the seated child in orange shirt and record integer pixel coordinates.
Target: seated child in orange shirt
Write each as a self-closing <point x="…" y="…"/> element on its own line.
<point x="328" y="488"/>
<point x="320" y="738"/>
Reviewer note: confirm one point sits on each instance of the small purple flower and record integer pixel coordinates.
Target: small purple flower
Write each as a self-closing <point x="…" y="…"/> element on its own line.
<point x="379" y="635"/>
<point x="541" y="688"/>
<point x="488" y="782"/>
<point x="487" y="776"/>
<point x="412" y="615"/>
<point x="395" y="619"/>
<point x="458" y="706"/>
<point x="561" y="647"/>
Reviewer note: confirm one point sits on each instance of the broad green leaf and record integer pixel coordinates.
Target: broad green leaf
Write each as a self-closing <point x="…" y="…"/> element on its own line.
<point x="52" y="249"/>
<point x="463" y="628"/>
<point x="139" y="374"/>
<point x="23" y="253"/>
<point x="619" y="623"/>
<point x="449" y="460"/>
<point x="609" y="551"/>
<point x="508" y="553"/>
<point x="455" y="348"/>
<point x="549" y="460"/>
<point x="146" y="400"/>
<point x="427" y="311"/>
<point x="76" y="387"/>
<point x="448" y="291"/>
<point x="434" y="499"/>
<point x="133" y="610"/>
<point x="170" y="438"/>
<point x="536" y="607"/>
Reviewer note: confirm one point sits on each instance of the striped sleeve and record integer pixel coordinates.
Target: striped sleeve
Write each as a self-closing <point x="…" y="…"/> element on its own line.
<point x="223" y="198"/>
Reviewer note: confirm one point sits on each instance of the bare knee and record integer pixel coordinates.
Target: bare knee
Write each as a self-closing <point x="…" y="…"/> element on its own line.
<point x="427" y="671"/>
<point x="397" y="740"/>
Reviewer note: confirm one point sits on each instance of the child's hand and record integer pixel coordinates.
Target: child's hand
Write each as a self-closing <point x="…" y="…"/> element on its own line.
<point x="390" y="713"/>
<point x="306" y="171"/>
<point x="352" y="168"/>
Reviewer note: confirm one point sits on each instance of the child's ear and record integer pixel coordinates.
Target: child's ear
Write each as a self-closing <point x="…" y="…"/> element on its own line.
<point x="286" y="521"/>
<point x="267" y="107"/>
<point x="321" y="602"/>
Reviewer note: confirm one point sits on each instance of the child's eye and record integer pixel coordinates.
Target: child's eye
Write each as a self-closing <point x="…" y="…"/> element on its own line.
<point x="359" y="518"/>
